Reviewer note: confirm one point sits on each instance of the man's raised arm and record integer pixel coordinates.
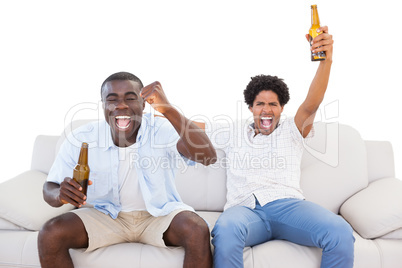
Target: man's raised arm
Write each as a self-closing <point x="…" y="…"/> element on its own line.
<point x="304" y="117"/>
<point x="194" y="144"/>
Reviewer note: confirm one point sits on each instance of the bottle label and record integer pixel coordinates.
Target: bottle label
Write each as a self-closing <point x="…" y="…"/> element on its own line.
<point x="317" y="55"/>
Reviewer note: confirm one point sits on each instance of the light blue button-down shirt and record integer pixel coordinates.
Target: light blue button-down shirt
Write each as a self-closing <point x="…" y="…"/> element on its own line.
<point x="156" y="164"/>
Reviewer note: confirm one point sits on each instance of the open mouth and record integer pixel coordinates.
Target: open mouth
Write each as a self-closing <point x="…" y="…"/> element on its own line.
<point x="122" y="121"/>
<point x="266" y="122"/>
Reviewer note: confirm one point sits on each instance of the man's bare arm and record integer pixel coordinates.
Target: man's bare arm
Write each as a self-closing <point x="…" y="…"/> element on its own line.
<point x="194" y="144"/>
<point x="305" y="114"/>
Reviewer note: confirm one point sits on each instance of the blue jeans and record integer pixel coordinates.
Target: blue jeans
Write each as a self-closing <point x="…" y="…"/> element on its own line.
<point x="298" y="221"/>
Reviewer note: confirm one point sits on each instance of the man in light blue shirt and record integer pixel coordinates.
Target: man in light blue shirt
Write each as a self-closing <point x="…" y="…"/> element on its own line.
<point x="133" y="161"/>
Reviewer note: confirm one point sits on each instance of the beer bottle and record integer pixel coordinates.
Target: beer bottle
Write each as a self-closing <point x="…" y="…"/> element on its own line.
<point x="81" y="170"/>
<point x="315" y="24"/>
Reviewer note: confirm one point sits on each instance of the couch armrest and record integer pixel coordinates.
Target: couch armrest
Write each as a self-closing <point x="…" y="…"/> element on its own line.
<point x="21" y="201"/>
<point x="376" y="210"/>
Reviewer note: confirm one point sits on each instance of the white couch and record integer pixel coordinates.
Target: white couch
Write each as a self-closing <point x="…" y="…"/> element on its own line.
<point x="340" y="171"/>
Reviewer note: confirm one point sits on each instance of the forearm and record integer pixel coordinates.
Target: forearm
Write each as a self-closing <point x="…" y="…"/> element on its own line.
<point x="318" y="87"/>
<point x="194" y="143"/>
<point x="305" y="115"/>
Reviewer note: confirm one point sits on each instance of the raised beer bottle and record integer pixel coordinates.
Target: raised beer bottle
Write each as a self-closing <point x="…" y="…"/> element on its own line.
<point x="81" y="170"/>
<point x="315" y="24"/>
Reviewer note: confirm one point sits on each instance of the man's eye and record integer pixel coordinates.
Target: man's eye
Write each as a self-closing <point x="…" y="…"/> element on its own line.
<point x="111" y="100"/>
<point x="131" y="99"/>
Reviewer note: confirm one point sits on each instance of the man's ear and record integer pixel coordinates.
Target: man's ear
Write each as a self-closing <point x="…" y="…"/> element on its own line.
<point x="250" y="108"/>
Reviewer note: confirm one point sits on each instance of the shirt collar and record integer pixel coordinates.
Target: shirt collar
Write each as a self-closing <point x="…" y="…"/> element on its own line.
<point x="251" y="128"/>
<point x="251" y="131"/>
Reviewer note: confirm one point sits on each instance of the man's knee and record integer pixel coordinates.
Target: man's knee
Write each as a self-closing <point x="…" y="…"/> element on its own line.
<point x="196" y="228"/>
<point x="64" y="231"/>
<point x="189" y="229"/>
<point x="340" y="238"/>
<point x="51" y="230"/>
<point x="227" y="227"/>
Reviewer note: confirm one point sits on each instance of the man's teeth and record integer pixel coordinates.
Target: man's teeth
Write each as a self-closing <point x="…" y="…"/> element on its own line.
<point x="123" y="117"/>
<point x="123" y="121"/>
<point x="266" y="121"/>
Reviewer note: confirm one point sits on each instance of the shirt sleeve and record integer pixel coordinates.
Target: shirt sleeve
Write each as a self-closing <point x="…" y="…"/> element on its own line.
<point x="64" y="163"/>
<point x="297" y="136"/>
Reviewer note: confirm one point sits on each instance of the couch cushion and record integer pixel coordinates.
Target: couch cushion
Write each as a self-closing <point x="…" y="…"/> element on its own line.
<point x="8" y="225"/>
<point x="366" y="253"/>
<point x="391" y="256"/>
<point x="21" y="201"/>
<point x="203" y="188"/>
<point x="284" y="254"/>
<point x="19" y="249"/>
<point x="376" y="210"/>
<point x="397" y="234"/>
<point x="334" y="165"/>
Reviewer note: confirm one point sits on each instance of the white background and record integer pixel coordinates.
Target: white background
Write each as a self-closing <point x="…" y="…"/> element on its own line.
<point x="54" y="55"/>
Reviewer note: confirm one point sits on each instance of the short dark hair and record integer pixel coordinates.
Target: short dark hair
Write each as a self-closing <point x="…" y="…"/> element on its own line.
<point x="266" y="82"/>
<point x="121" y="76"/>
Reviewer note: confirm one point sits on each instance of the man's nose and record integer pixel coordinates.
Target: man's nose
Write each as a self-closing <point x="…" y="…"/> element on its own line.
<point x="121" y="104"/>
<point x="267" y="108"/>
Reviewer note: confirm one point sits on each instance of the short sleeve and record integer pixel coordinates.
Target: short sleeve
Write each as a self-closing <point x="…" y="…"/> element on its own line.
<point x="64" y="163"/>
<point x="297" y="136"/>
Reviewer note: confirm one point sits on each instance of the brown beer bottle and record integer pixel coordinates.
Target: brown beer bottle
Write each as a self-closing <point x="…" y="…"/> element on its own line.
<point x="315" y="24"/>
<point x="81" y="170"/>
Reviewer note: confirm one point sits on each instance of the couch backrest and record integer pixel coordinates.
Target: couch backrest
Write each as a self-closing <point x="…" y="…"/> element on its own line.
<point x="203" y="188"/>
<point x="44" y="153"/>
<point x="380" y="160"/>
<point x="334" y="167"/>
